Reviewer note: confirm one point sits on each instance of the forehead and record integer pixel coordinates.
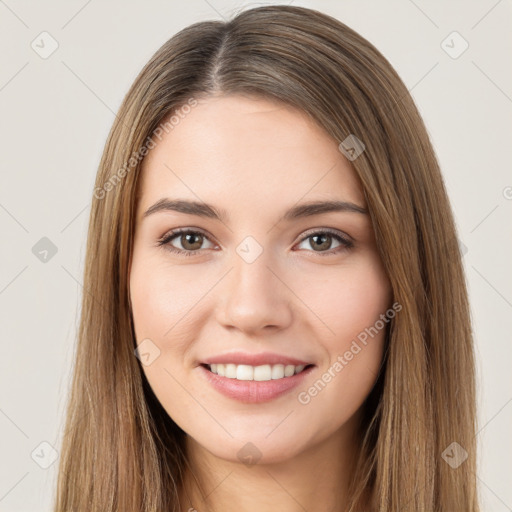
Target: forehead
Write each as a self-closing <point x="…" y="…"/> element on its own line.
<point x="250" y="152"/>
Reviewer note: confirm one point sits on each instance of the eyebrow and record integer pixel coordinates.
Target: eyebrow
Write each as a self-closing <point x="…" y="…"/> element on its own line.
<point x="209" y="211"/>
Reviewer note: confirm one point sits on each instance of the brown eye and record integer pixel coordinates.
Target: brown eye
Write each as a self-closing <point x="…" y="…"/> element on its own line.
<point x="189" y="241"/>
<point x="321" y="242"/>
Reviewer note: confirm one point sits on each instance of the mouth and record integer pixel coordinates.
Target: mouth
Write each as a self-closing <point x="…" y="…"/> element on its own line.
<point x="261" y="373"/>
<point x="254" y="384"/>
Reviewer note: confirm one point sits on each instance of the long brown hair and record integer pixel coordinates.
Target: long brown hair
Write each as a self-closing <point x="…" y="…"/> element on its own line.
<point x="121" y="451"/>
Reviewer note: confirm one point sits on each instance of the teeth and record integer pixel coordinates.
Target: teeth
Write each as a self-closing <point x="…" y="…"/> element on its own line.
<point x="277" y="371"/>
<point x="230" y="371"/>
<point x="258" y="373"/>
<point x="242" y="372"/>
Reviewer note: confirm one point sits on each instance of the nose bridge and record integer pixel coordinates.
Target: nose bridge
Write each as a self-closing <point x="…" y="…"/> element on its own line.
<point x="251" y="269"/>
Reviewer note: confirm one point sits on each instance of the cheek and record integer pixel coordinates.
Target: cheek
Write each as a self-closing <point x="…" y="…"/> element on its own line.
<point x="167" y="308"/>
<point x="350" y="299"/>
<point x="354" y="336"/>
<point x="162" y="307"/>
<point x="162" y="297"/>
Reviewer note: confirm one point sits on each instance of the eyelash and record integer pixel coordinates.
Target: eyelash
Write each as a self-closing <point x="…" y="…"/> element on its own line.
<point x="346" y="244"/>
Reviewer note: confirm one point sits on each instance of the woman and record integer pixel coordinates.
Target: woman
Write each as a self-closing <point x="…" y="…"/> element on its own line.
<point x="276" y="315"/>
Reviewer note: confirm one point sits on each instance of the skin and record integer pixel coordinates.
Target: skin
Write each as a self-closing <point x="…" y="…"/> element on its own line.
<point x="256" y="159"/>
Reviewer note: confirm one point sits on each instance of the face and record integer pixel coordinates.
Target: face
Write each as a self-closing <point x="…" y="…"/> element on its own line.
<point x="288" y="304"/>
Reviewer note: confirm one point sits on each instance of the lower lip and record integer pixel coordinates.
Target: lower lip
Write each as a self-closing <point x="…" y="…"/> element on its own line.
<point x="253" y="391"/>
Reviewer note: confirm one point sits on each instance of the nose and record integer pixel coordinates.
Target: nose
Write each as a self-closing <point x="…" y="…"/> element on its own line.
<point x="255" y="296"/>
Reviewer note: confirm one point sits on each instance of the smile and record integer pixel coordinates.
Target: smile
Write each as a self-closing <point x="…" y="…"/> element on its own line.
<point x="254" y="384"/>
<point x="263" y="372"/>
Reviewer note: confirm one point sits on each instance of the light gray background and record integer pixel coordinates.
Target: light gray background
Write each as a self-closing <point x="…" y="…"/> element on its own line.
<point x="56" y="114"/>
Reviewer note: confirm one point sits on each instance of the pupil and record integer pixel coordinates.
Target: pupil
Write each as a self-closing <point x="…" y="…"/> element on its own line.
<point x="324" y="244"/>
<point x="187" y="240"/>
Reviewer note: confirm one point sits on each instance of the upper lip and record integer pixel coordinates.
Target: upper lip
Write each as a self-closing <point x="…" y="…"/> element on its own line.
<point x="254" y="359"/>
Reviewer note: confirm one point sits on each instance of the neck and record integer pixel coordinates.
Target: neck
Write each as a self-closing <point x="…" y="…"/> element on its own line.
<point x="316" y="479"/>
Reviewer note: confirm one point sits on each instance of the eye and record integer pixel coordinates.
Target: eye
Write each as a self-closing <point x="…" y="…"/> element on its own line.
<point x="323" y="241"/>
<point x="190" y="241"/>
